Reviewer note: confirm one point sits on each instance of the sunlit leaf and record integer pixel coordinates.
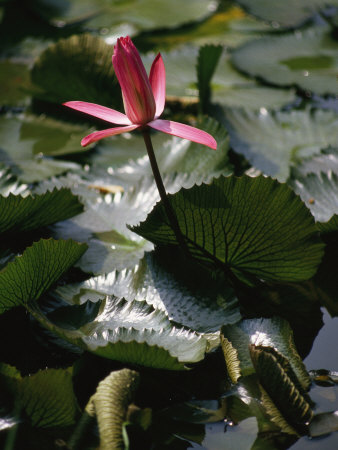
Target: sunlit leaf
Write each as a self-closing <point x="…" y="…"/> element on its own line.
<point x="275" y="333"/>
<point x="308" y="59"/>
<point x="224" y="224"/>
<point x="201" y="303"/>
<point x="273" y="142"/>
<point x="28" y="276"/>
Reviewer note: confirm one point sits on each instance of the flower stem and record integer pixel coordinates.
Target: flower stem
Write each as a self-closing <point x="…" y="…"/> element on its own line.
<point x="165" y="201"/>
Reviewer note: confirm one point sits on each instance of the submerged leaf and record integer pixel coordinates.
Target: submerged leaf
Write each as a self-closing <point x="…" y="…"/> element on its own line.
<point x="252" y="226"/>
<point x="24" y="280"/>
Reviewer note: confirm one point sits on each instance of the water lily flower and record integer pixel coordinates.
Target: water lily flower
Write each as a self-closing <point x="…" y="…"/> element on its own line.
<point x="143" y="98"/>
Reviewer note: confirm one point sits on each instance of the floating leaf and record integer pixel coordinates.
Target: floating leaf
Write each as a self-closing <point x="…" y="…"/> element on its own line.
<point x="132" y="332"/>
<point x="201" y="303"/>
<point x="225" y="224"/>
<point x="28" y="276"/>
<point x="77" y="68"/>
<point x="272" y="142"/>
<point x="9" y="184"/>
<point x="141" y="15"/>
<point x="287" y="13"/>
<point x="46" y="397"/>
<point x="29" y="213"/>
<point x="308" y="59"/>
<point x="14" y="78"/>
<point x="319" y="193"/>
<point x="18" y="144"/>
<point x="275" y="333"/>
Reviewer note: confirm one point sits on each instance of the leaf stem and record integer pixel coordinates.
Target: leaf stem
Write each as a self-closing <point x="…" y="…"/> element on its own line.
<point x="161" y="189"/>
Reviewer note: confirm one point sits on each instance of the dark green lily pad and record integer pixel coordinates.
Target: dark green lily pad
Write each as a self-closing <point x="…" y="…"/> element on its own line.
<point x="224" y="225"/>
<point x="46" y="397"/>
<point x="14" y="79"/>
<point x="29" y="213"/>
<point x="28" y="276"/>
<point x="274" y="142"/>
<point x="307" y="59"/>
<point x="77" y="68"/>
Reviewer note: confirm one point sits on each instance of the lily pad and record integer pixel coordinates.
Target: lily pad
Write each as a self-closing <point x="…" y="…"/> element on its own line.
<point x="46" y="397"/>
<point x="132" y="332"/>
<point x="14" y="79"/>
<point x="320" y="194"/>
<point x="307" y="59"/>
<point x="18" y="144"/>
<point x="224" y="225"/>
<point x="77" y="68"/>
<point x="203" y="306"/>
<point x="273" y="142"/>
<point x="142" y="15"/>
<point x="275" y="333"/>
<point x="28" y="213"/>
<point x="28" y="276"/>
<point x="287" y="13"/>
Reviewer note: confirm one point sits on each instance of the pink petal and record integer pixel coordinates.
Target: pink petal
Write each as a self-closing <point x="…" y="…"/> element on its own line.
<point x="138" y="97"/>
<point x="107" y="114"/>
<point x="97" y="135"/>
<point x="157" y="81"/>
<point x="184" y="131"/>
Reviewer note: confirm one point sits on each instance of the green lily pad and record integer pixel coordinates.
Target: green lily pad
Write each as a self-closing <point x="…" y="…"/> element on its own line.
<point x="28" y="276"/>
<point x="77" y="68"/>
<point x="275" y="333"/>
<point x="235" y="212"/>
<point x="323" y="424"/>
<point x="20" y="139"/>
<point x="307" y="59"/>
<point x="273" y="142"/>
<point x="28" y="213"/>
<point x="229" y="88"/>
<point x="46" y="397"/>
<point x="141" y="15"/>
<point x="287" y="13"/>
<point x="14" y="79"/>
<point x="229" y="26"/>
